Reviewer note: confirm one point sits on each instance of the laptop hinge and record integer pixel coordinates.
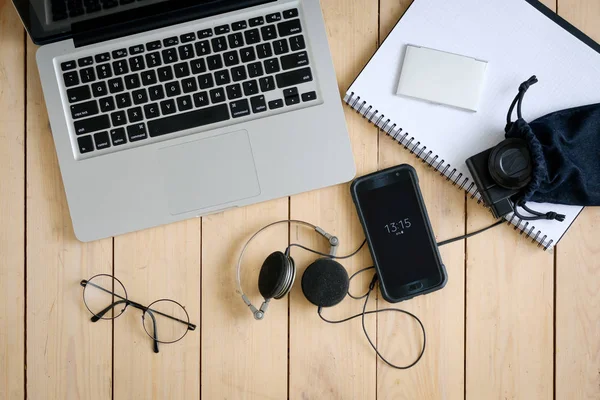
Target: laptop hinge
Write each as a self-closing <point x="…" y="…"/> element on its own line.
<point x="130" y="22"/>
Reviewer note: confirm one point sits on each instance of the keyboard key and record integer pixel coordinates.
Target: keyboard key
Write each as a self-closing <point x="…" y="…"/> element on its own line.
<point x="93" y="124"/>
<point x="120" y="53"/>
<point x="290" y="92"/>
<point x="238" y="73"/>
<point x="171" y="41"/>
<point x="172" y="89"/>
<point x="168" y="107"/>
<point x="268" y="32"/>
<point x="287" y="14"/>
<point x="198" y="66"/>
<point x="184" y="103"/>
<point x="252" y="36"/>
<point x="234" y="91"/>
<point x="274" y="17"/>
<point x="247" y="54"/>
<point x="104" y="71"/>
<point x="107" y="104"/>
<point x="123" y="100"/>
<point x="136" y="49"/>
<point x="297" y="43"/>
<point x="235" y="40"/>
<point x="153" y="45"/>
<point x="222" y="77"/>
<point x="255" y="70"/>
<point x="203" y="48"/>
<point x="99" y="89"/>
<point x="102" y="57"/>
<point x="214" y="62"/>
<point x="258" y="104"/>
<point x="201" y="99"/>
<point x="309" y="96"/>
<point x="264" y="50"/>
<point x="101" y="140"/>
<point x="272" y="66"/>
<point x="115" y="85"/>
<point x="217" y="95"/>
<point x="294" y="78"/>
<point x="205" y="81"/>
<point x="256" y="21"/>
<point x="205" y="33"/>
<point x="287" y="28"/>
<point x="118" y="136"/>
<point x="186" y="52"/>
<point x="189" y="85"/>
<point x="188" y="120"/>
<point x="118" y="118"/>
<point x="67" y="65"/>
<point x="219" y="44"/>
<point x="275" y="104"/>
<point x="219" y="30"/>
<point x="86" y="109"/>
<point x="238" y="26"/>
<point x="181" y="70"/>
<point x="132" y="81"/>
<point x="78" y="94"/>
<point x="250" y="88"/>
<point x="239" y="108"/>
<point x="120" y="67"/>
<point x="165" y="73"/>
<point x="135" y="114"/>
<point x="153" y="60"/>
<point x="84" y="62"/>
<point x="280" y="47"/>
<point x="231" y="58"/>
<point x="267" y="84"/>
<point x="86" y="144"/>
<point x="137" y="132"/>
<point x="87" y="75"/>
<point x="294" y="60"/>
<point x="149" y="78"/>
<point x="291" y="100"/>
<point x="139" y="97"/>
<point x="170" y="56"/>
<point x="151" y="110"/>
<point x="137" y="63"/>
<point x="71" y="79"/>
<point x="188" y="37"/>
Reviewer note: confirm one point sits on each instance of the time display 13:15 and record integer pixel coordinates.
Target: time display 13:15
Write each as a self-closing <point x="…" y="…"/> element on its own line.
<point x="398" y="227"/>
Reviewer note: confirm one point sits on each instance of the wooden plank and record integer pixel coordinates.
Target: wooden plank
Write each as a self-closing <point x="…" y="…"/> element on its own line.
<point x="159" y="263"/>
<point x="327" y="361"/>
<point x="67" y="355"/>
<point x="12" y="203"/>
<point x="577" y="325"/>
<point x="440" y="374"/>
<point x="242" y="358"/>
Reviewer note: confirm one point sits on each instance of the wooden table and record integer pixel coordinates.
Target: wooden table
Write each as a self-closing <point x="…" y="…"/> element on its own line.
<point x="513" y="322"/>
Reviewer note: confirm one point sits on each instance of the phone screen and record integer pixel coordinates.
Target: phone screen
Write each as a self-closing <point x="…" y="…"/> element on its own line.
<point x="399" y="234"/>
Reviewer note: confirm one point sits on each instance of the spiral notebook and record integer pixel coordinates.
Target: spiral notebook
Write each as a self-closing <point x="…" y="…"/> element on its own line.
<point x="518" y="38"/>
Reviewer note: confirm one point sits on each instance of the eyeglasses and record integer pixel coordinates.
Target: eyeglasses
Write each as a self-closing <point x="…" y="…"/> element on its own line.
<point x="104" y="295"/>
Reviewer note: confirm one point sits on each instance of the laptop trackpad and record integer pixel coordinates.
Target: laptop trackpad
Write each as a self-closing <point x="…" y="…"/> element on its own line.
<point x="209" y="172"/>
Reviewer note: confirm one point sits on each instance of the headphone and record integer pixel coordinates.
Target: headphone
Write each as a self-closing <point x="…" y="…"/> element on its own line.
<point x="325" y="282"/>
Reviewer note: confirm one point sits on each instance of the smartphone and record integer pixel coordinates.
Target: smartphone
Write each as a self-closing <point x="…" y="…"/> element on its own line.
<point x="402" y="244"/>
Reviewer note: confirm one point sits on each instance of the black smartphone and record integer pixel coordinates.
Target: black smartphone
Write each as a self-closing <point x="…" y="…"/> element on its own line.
<point x="403" y="247"/>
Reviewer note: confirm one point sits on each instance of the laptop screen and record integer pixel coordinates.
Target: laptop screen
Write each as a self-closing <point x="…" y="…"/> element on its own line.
<point x="53" y="20"/>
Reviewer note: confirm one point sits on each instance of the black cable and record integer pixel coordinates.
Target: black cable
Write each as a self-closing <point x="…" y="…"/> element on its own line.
<point x="350" y="280"/>
<point x="287" y="251"/>
<point x="468" y="235"/>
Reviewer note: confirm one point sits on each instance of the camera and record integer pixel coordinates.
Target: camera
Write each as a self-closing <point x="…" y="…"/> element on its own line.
<point x="501" y="173"/>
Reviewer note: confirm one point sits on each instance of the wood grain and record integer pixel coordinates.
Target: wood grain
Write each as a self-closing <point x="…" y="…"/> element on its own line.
<point x="335" y="361"/>
<point x="12" y="203"/>
<point x="158" y="263"/>
<point x="68" y="357"/>
<point x="578" y="271"/>
<point x="440" y="374"/>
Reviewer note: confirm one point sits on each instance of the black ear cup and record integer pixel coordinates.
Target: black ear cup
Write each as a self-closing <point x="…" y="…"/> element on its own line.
<point x="325" y="283"/>
<point x="510" y="164"/>
<point x="276" y="276"/>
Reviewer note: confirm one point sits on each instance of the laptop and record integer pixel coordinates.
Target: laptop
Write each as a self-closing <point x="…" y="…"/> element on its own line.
<point x="167" y="110"/>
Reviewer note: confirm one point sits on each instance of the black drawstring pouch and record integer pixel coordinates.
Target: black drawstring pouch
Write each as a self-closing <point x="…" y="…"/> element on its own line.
<point x="565" y="153"/>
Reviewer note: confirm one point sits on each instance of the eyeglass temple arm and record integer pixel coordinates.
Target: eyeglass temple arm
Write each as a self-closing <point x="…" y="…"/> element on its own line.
<point x="98" y="316"/>
<point x="154" y="334"/>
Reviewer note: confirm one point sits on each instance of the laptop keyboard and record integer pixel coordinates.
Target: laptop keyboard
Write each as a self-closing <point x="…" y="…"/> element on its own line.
<point x="195" y="79"/>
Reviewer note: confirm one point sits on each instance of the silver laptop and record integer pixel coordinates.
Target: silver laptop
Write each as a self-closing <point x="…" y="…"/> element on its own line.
<point x="168" y="110"/>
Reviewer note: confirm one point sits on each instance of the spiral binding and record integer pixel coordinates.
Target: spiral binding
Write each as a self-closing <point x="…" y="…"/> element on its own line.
<point x="403" y="138"/>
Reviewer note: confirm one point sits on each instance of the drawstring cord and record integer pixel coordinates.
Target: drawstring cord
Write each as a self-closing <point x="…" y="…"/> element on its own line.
<point x="518" y="101"/>
<point x="536" y="215"/>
